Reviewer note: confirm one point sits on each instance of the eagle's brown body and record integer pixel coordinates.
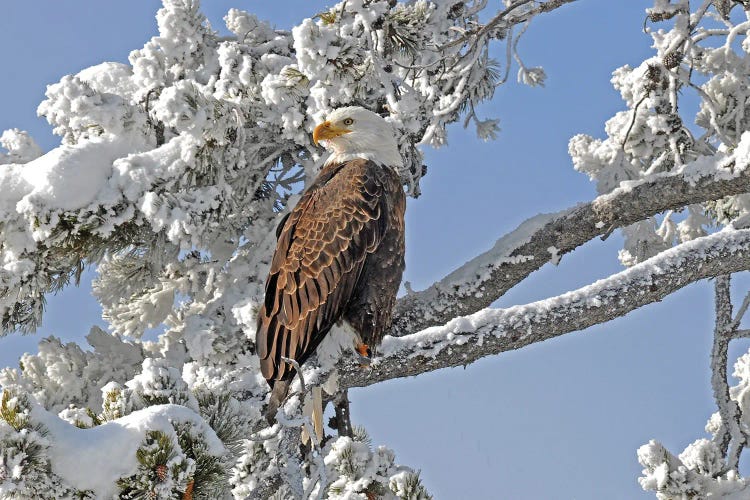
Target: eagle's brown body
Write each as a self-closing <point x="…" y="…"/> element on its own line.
<point x="339" y="256"/>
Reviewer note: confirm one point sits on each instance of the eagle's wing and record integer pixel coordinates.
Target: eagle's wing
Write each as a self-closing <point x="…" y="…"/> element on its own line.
<point x="319" y="256"/>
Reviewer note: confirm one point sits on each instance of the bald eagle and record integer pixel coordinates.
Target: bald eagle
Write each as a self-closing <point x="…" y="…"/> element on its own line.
<point x="340" y="252"/>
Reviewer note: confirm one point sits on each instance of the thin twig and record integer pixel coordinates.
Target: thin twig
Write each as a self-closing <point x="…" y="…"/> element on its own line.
<point x="740" y="312"/>
<point x="500" y="16"/>
<point x="632" y="121"/>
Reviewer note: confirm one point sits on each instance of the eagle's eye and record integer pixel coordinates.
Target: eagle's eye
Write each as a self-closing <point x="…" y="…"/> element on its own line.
<point x="348" y="121"/>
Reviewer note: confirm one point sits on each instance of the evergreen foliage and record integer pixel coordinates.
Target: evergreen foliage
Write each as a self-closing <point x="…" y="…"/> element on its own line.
<point x="174" y="170"/>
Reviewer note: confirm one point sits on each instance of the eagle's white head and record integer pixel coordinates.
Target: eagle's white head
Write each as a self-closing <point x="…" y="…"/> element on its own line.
<point x="355" y="132"/>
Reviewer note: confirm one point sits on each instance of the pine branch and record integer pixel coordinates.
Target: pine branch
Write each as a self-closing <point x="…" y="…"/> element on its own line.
<point x="509" y="18"/>
<point x="463" y="340"/>
<point x="484" y="279"/>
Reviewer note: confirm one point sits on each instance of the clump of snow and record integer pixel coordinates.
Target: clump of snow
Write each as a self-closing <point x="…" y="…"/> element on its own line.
<point x="554" y="255"/>
<point x="159" y="383"/>
<point x="359" y="471"/>
<point x="72" y="177"/>
<point x="20" y="145"/>
<point x="110" y="449"/>
<point x="78" y="417"/>
<point x="80" y="110"/>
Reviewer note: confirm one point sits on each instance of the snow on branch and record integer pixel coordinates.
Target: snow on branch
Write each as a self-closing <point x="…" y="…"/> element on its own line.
<point x="490" y="331"/>
<point x="545" y="238"/>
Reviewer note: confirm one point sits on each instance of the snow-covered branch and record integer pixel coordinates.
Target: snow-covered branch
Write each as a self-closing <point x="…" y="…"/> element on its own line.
<point x="174" y="170"/>
<point x="490" y="331"/>
<point x="545" y="238"/>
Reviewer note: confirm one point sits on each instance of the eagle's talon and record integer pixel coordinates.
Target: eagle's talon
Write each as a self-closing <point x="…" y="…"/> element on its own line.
<point x="364" y="355"/>
<point x="364" y="350"/>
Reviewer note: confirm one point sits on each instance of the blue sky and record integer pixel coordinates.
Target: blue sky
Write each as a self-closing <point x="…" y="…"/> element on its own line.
<point x="561" y="419"/>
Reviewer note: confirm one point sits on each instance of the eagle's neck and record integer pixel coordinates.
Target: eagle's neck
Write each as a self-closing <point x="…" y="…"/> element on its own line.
<point x="383" y="151"/>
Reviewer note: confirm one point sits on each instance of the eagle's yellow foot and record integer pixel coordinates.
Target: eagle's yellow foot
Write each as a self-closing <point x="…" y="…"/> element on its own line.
<point x="365" y="353"/>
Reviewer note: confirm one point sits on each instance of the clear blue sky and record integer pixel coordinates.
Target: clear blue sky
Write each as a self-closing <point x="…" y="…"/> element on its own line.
<point x="557" y="420"/>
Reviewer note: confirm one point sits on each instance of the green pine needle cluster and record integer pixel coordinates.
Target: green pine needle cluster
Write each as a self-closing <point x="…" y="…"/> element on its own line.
<point x="223" y="413"/>
<point x="113" y="406"/>
<point x="180" y="469"/>
<point x="209" y="476"/>
<point x="411" y="488"/>
<point x="12" y="411"/>
<point x="403" y="27"/>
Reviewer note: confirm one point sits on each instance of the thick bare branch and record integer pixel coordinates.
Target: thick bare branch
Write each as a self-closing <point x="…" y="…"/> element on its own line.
<point x="490" y="331"/>
<point x="542" y="239"/>
<point x="730" y="439"/>
<point x="723" y="306"/>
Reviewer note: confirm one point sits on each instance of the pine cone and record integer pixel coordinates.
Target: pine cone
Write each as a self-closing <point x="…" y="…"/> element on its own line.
<point x="723" y="7"/>
<point x="161" y="472"/>
<point x="672" y="59"/>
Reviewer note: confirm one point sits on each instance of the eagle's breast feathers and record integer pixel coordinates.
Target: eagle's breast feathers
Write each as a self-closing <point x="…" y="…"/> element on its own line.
<point x="339" y="256"/>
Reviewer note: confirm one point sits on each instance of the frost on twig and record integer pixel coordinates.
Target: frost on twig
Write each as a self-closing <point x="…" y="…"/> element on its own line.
<point x="691" y="475"/>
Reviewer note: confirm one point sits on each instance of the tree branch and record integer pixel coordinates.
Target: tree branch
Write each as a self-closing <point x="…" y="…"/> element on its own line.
<point x="505" y="17"/>
<point x="491" y="331"/>
<point x="723" y="307"/>
<point x="545" y="238"/>
<point x="731" y="440"/>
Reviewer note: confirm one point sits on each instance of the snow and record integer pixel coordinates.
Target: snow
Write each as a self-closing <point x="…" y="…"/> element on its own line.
<point x="94" y="459"/>
<point x="718" y="167"/>
<point x="478" y="269"/>
<point x="21" y="147"/>
<point x="72" y="177"/>
<point x="554" y="255"/>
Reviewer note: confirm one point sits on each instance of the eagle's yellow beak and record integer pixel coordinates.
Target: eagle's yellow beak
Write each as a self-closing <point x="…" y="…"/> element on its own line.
<point x="326" y="131"/>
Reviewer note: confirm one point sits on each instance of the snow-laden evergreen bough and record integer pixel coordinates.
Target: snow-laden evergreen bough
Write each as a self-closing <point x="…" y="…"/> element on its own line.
<point x="172" y="174"/>
<point x="174" y="170"/>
